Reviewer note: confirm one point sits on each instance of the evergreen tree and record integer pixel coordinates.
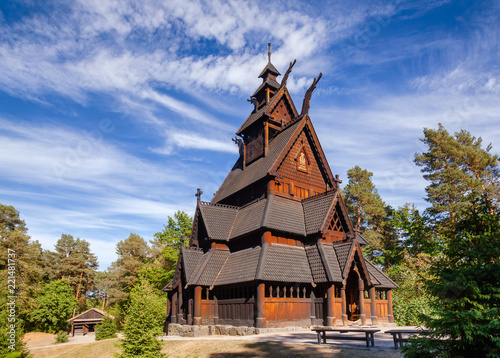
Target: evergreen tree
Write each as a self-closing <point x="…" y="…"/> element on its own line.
<point x="26" y="260"/>
<point x="74" y="261"/>
<point x="457" y="166"/>
<point x="466" y="283"/>
<point x="143" y="323"/>
<point x="105" y="330"/>
<point x="366" y="209"/>
<point x="134" y="254"/>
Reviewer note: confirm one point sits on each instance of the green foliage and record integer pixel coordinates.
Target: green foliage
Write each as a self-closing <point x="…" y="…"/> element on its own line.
<point x="54" y="306"/>
<point x="143" y="323"/>
<point x="179" y="226"/>
<point x="411" y="312"/>
<point x="457" y="167"/>
<point x="10" y="337"/>
<point x="61" y="337"/>
<point x="73" y="260"/>
<point x="370" y="215"/>
<point x="107" y="329"/>
<point x="411" y="300"/>
<point x="415" y="231"/>
<point x="466" y="284"/>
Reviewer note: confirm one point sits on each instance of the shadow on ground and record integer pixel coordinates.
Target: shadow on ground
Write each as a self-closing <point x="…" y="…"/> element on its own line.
<point x="276" y="350"/>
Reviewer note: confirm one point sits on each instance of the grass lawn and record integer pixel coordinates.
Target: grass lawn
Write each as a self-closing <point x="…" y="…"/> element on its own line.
<point x="213" y="349"/>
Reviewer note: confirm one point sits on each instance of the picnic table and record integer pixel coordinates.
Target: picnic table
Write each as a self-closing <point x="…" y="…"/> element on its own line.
<point x="368" y="338"/>
<point x="397" y="335"/>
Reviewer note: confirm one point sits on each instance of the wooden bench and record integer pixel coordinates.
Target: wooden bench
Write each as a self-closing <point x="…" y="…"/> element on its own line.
<point x="397" y="335"/>
<point x="368" y="338"/>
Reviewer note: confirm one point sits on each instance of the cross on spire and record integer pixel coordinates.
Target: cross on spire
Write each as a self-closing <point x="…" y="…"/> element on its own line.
<point x="198" y="193"/>
<point x="269" y="52"/>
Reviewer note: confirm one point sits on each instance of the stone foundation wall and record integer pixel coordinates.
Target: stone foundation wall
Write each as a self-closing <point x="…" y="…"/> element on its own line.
<point x="182" y="330"/>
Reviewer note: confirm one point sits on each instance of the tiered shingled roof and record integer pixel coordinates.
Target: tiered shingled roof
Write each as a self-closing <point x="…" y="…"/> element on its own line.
<point x="306" y="217"/>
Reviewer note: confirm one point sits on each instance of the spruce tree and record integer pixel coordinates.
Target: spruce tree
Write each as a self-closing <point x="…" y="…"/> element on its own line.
<point x="465" y="281"/>
<point x="143" y="323"/>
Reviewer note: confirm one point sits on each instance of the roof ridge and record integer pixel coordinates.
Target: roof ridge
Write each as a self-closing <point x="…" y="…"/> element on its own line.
<point x="207" y="203"/>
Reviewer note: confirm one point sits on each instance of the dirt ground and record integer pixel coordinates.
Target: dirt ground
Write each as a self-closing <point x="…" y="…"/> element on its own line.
<point x="195" y="349"/>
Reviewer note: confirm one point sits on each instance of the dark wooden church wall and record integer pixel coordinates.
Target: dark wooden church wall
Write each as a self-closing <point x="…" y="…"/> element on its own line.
<point x="287" y="305"/>
<point x="235" y="305"/>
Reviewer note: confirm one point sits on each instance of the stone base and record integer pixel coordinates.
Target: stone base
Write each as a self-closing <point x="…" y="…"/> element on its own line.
<point x="174" y="329"/>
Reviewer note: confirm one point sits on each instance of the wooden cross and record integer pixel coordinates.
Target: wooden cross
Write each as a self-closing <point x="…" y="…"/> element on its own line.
<point x="198" y="193"/>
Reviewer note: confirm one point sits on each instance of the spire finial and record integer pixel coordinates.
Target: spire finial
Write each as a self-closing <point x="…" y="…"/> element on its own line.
<point x="198" y="194"/>
<point x="269" y="51"/>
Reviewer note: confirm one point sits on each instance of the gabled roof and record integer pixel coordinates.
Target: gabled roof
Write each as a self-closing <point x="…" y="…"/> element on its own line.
<point x="268" y="107"/>
<point x="218" y="219"/>
<point x="239" y="178"/>
<point x="307" y="126"/>
<point x="190" y="257"/>
<point x="316" y="210"/>
<point x="269" y="82"/>
<point x="344" y="252"/>
<point x="307" y="217"/>
<point x="208" y="267"/>
<point x="99" y="312"/>
<point x="331" y="262"/>
<point x="383" y="280"/>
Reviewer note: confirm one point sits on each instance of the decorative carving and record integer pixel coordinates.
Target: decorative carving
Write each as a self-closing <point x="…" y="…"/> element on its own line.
<point x="307" y="98"/>
<point x="287" y="73"/>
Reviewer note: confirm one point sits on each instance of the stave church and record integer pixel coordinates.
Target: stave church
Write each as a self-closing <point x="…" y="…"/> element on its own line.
<point x="275" y="246"/>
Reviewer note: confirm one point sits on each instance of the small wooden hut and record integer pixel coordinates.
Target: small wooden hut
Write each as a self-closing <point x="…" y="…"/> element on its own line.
<point x="85" y="322"/>
<point x="275" y="246"/>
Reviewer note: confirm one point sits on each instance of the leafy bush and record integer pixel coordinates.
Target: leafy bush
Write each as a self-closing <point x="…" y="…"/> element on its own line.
<point x="61" y="337"/>
<point x="410" y="311"/>
<point x="107" y="329"/>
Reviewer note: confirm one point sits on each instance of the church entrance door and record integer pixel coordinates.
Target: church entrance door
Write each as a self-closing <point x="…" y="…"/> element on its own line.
<point x="352" y="297"/>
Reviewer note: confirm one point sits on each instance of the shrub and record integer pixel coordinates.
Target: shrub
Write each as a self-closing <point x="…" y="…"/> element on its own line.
<point x="105" y="330"/>
<point x="61" y="337"/>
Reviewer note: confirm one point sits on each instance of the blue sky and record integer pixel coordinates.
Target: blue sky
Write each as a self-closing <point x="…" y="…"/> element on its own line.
<point x="112" y="113"/>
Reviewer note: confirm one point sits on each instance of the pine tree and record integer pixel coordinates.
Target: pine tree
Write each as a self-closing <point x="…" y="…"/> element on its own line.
<point x="134" y="255"/>
<point x="74" y="261"/>
<point x="143" y="323"/>
<point x="457" y="166"/>
<point x="366" y="208"/>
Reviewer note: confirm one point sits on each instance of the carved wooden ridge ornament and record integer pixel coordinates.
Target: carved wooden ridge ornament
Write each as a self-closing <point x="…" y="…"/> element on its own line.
<point x="307" y="98"/>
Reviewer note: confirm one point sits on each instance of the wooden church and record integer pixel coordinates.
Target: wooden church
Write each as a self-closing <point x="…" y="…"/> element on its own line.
<point x="275" y="246"/>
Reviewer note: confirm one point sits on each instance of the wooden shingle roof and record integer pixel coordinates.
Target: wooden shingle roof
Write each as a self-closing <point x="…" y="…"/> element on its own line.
<point x="287" y="264"/>
<point x="241" y="266"/>
<point x="383" y="280"/>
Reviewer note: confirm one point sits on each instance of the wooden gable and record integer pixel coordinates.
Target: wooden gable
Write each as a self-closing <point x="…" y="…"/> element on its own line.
<point x="339" y="219"/>
<point x="282" y="110"/>
<point x="303" y="164"/>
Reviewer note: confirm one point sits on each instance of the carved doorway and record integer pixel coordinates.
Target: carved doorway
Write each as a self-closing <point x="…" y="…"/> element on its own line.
<point x="352" y="296"/>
